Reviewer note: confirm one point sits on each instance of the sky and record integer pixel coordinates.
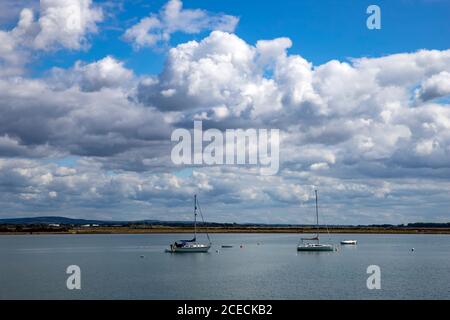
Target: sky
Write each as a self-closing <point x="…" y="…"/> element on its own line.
<point x="91" y="91"/>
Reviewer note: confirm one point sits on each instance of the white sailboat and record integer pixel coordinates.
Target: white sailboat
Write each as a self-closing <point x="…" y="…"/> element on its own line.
<point x="191" y="245"/>
<point x="315" y="246"/>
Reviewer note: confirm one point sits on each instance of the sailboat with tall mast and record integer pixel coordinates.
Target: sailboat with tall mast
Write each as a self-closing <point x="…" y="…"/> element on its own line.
<point x="305" y="245"/>
<point x="192" y="245"/>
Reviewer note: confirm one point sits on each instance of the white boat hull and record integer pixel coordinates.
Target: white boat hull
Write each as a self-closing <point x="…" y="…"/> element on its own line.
<point x="189" y="248"/>
<point x="315" y="247"/>
<point x="350" y="242"/>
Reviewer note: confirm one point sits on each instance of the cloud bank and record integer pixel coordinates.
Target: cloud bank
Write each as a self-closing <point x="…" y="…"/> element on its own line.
<point x="93" y="139"/>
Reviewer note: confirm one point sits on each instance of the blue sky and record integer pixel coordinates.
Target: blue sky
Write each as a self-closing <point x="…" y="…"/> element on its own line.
<point x="86" y="113"/>
<point x="320" y="30"/>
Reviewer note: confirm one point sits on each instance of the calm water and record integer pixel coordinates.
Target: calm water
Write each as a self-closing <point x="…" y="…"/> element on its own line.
<point x="33" y="267"/>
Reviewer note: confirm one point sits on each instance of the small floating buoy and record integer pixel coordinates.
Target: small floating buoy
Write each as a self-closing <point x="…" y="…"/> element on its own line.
<point x="142" y="256"/>
<point x="241" y="246"/>
<point x="412" y="249"/>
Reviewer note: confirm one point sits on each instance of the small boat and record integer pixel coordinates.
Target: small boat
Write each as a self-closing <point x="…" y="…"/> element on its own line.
<point x="350" y="242"/>
<point x="308" y="246"/>
<point x="191" y="245"/>
<point x="227" y="246"/>
<point x="315" y="247"/>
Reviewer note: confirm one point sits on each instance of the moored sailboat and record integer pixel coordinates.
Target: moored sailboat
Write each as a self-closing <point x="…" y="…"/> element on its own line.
<point x="191" y="245"/>
<point x="316" y="246"/>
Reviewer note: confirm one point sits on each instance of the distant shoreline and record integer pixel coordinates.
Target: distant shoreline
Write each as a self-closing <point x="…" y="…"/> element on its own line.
<point x="240" y="229"/>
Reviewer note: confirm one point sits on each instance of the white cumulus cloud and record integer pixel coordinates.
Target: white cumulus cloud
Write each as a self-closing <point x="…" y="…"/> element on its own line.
<point x="434" y="87"/>
<point x="66" y="23"/>
<point x="158" y="28"/>
<point x="105" y="73"/>
<point x="59" y="24"/>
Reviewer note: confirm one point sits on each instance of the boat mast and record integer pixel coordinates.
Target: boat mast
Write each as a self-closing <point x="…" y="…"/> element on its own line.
<point x="195" y="217"/>
<point x="317" y="216"/>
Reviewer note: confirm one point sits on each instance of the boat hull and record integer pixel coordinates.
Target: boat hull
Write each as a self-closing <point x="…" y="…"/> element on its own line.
<point x="349" y="242"/>
<point x="315" y="248"/>
<point x="187" y="249"/>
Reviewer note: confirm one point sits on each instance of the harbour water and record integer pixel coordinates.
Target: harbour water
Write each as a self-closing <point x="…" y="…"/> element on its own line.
<point x="266" y="267"/>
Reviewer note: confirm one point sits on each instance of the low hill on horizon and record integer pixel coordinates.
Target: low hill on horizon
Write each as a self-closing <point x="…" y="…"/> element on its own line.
<point x="47" y="220"/>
